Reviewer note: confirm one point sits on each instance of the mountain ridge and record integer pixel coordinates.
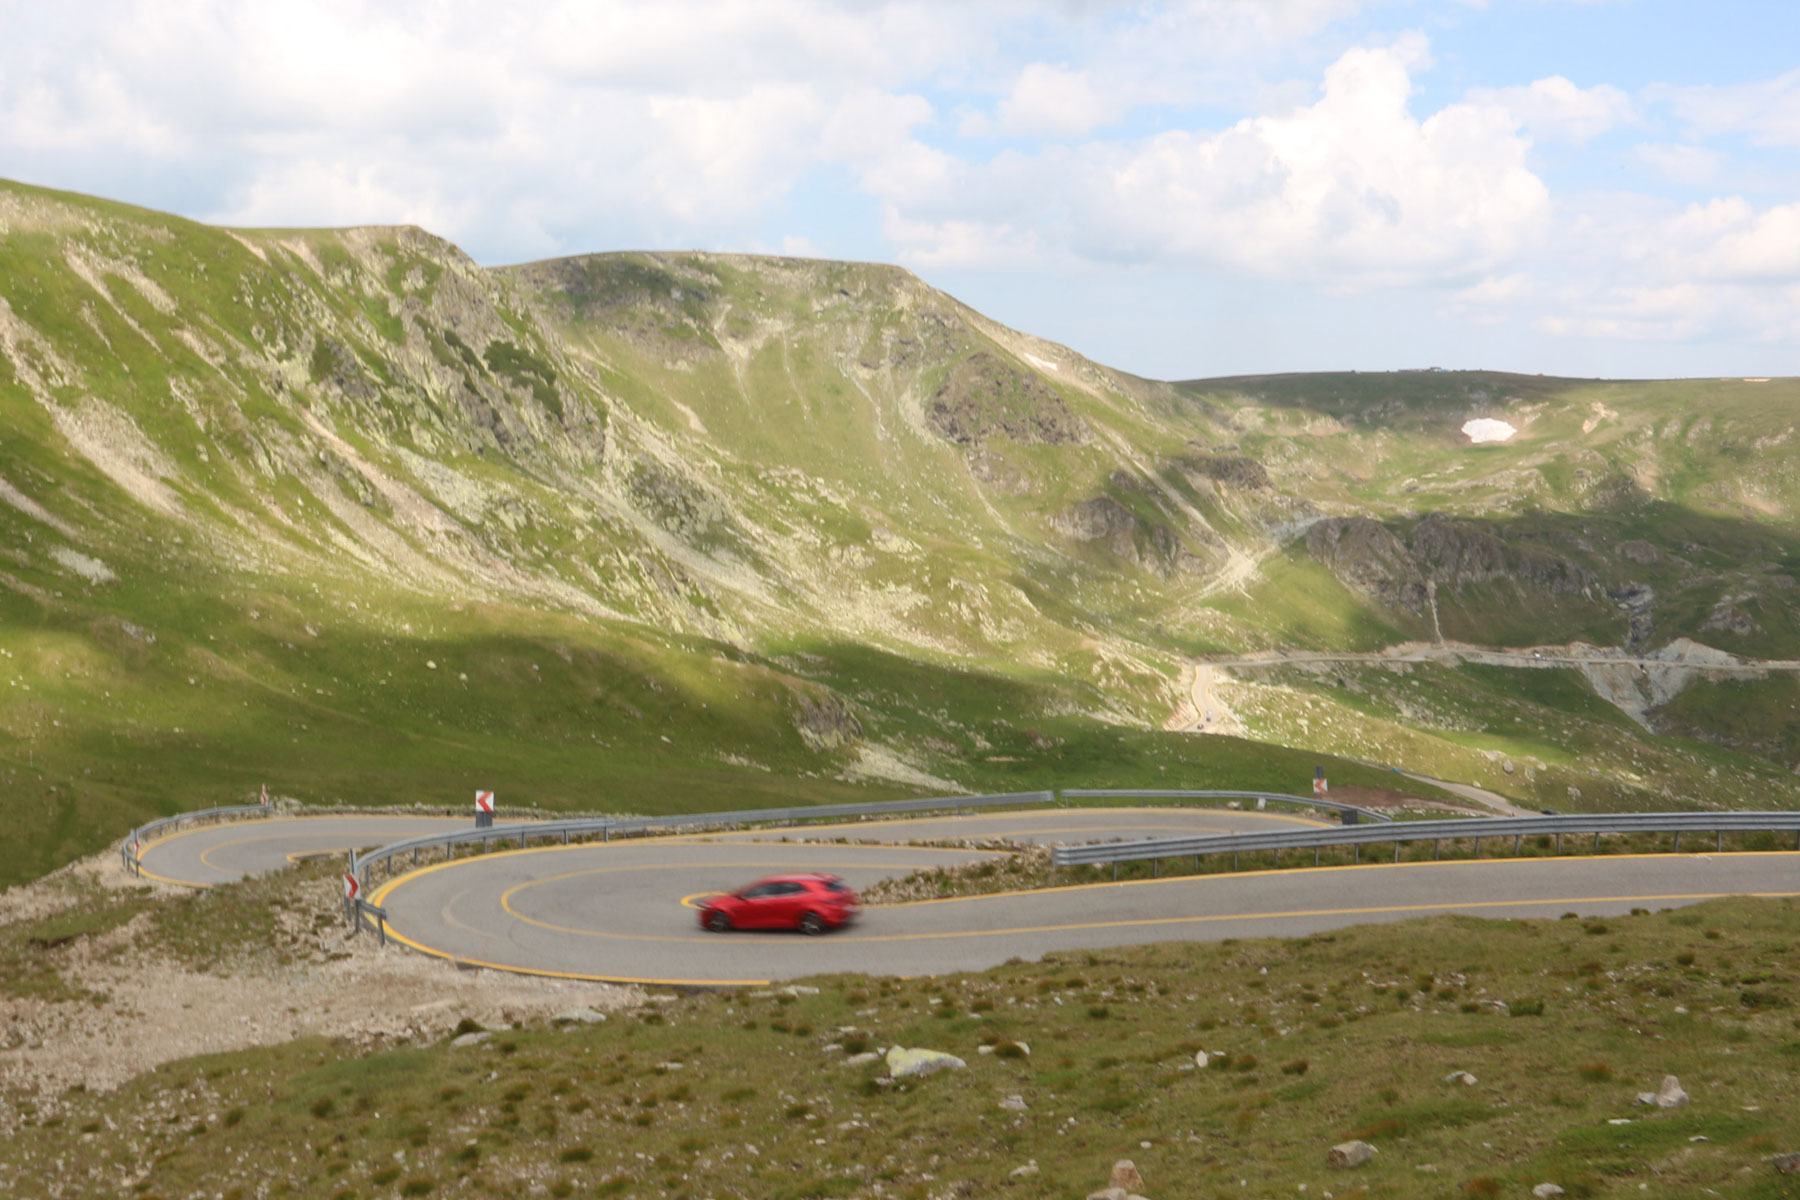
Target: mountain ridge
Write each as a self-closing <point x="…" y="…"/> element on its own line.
<point x="838" y="529"/>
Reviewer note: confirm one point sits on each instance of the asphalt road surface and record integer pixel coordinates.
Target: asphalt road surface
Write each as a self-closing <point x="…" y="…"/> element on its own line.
<point x="626" y="910"/>
<point x="215" y="854"/>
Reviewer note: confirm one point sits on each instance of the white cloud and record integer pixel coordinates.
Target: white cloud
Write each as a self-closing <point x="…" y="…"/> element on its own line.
<point x="719" y="47"/>
<point x="1728" y="239"/>
<point x="1554" y="109"/>
<point x="559" y="126"/>
<point x="1767" y="111"/>
<point x="1679" y="162"/>
<point x="1352" y="190"/>
<point x="1055" y="101"/>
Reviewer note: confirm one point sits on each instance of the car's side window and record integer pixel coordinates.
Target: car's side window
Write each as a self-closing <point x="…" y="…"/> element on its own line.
<point x="758" y="893"/>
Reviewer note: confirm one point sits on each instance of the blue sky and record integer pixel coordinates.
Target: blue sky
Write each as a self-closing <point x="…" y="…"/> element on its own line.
<point x="1180" y="188"/>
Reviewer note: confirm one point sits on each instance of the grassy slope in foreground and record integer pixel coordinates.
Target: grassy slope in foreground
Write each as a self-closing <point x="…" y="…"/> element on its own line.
<point x="1311" y="1041"/>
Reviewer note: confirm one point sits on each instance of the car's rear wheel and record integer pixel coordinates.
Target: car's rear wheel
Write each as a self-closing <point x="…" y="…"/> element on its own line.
<point x="811" y="924"/>
<point x="717" y="921"/>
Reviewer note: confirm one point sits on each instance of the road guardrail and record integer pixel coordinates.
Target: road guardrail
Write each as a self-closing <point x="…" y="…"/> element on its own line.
<point x="606" y="828"/>
<point x="1401" y="832"/>
<point x="1350" y="812"/>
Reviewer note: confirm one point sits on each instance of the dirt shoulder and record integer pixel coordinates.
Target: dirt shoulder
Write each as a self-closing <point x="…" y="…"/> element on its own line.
<point x="96" y="1008"/>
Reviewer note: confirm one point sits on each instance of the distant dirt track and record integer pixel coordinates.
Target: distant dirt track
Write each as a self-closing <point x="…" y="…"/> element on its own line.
<point x="622" y="911"/>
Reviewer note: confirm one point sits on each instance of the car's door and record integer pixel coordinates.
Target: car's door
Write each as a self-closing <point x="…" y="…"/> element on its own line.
<point x="788" y="902"/>
<point x="758" y="906"/>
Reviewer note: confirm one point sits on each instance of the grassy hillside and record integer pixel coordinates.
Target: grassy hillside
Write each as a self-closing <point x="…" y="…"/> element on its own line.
<point x="345" y="512"/>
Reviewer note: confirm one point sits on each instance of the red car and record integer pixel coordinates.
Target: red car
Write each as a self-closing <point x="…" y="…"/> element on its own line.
<point x="809" y="902"/>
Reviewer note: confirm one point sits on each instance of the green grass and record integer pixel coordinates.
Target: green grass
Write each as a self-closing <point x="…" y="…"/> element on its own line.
<point x="599" y="1104"/>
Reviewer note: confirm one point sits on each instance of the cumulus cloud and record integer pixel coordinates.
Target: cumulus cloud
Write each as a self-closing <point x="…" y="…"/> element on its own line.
<point x="1555" y="109"/>
<point x="1766" y="111"/>
<point x="1057" y="102"/>
<point x="559" y="126"/>
<point x="1353" y="190"/>
<point x="1728" y="239"/>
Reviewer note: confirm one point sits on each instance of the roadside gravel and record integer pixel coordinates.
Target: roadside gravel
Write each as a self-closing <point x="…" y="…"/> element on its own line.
<point x="144" y="1007"/>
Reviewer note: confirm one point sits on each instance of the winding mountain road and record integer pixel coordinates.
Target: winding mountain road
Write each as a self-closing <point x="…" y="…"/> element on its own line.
<point x="624" y="911"/>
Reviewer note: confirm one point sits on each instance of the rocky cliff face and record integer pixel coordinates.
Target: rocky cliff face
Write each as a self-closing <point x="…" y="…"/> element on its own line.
<point x="1442" y="557"/>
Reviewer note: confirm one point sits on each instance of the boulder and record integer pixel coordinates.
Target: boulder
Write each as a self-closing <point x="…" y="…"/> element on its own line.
<point x="905" y="1064"/>
<point x="471" y="1039"/>
<point x="1349" y="1154"/>
<point x="1462" y="1077"/>
<point x="1787" y="1164"/>
<point x="1024" y="1172"/>
<point x="1014" y="1104"/>
<point x="1546" y="1191"/>
<point x="580" y="1016"/>
<point x="1125" y="1175"/>
<point x="1671" y="1094"/>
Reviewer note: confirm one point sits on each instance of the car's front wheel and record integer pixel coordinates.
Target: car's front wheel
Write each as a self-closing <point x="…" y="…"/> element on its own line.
<point x="811" y="924"/>
<point x="717" y="921"/>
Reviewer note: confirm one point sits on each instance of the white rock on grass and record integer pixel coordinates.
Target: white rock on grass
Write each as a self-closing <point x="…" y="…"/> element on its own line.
<point x="1349" y="1154"/>
<point x="1125" y="1175"/>
<point x="584" y="1016"/>
<point x="1024" y="1172"/>
<point x="472" y="1039"/>
<point x="1546" y="1191"/>
<point x="1671" y="1094"/>
<point x="1462" y="1077"/>
<point x="903" y="1063"/>
<point x="1014" y="1104"/>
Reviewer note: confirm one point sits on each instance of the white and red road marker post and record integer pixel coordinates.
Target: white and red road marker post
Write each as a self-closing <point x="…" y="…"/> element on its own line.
<point x="484" y="810"/>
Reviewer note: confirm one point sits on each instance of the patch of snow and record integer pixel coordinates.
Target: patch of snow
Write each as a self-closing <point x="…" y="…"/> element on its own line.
<point x="1041" y="364"/>
<point x="1488" y="429"/>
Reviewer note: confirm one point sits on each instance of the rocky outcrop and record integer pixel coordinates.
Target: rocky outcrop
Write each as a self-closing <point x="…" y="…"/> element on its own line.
<point x="984" y="397"/>
<point x="1456" y="553"/>
<point x="1121" y="533"/>
<point x="1234" y="470"/>
<point x="1367" y="556"/>
<point x="1440" y="553"/>
<point x="824" y="722"/>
